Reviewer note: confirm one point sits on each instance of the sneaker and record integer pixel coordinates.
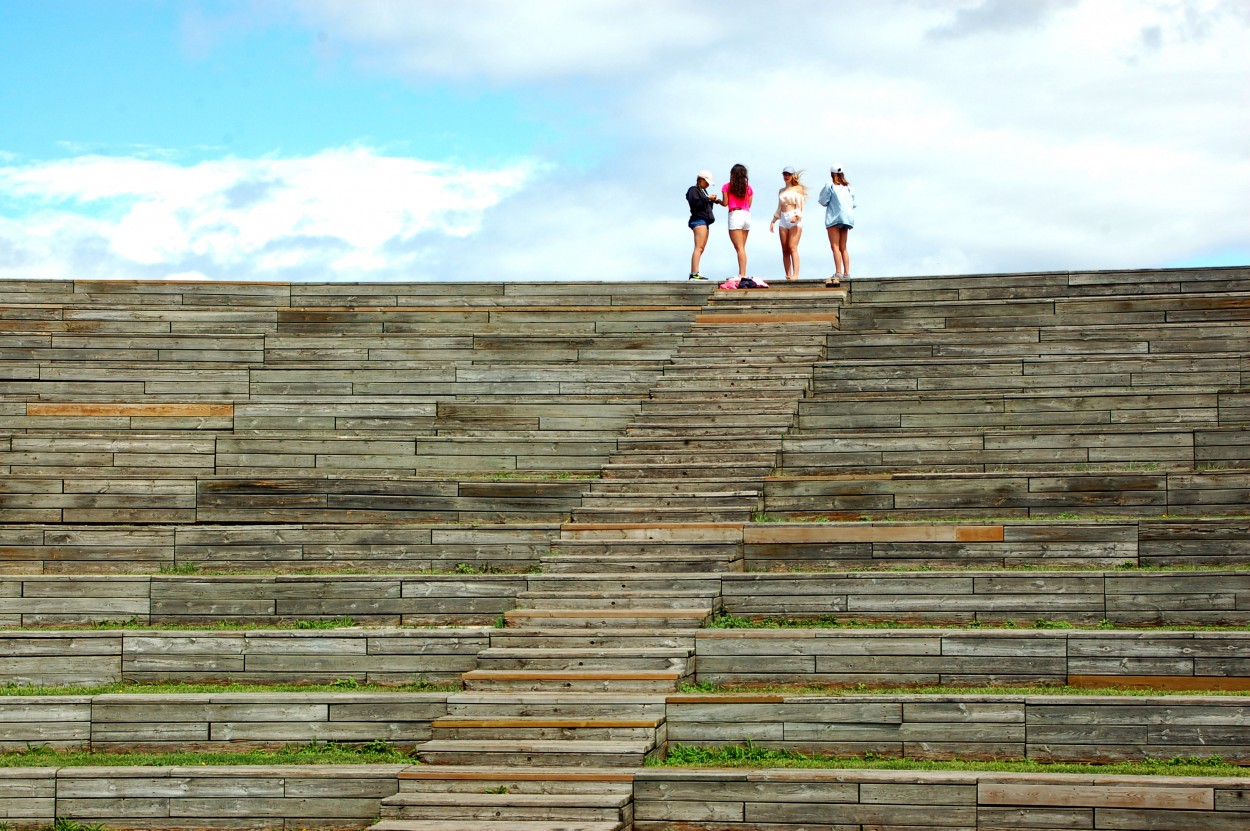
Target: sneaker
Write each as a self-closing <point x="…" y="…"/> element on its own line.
<point x="697" y="277"/>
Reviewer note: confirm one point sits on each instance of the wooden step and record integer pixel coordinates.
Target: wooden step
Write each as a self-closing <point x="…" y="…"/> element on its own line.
<point x="550" y="659"/>
<point x="574" y="681"/>
<point x="708" y="586"/>
<point x="547" y="729"/>
<point x="507" y="806"/>
<point x="672" y="486"/>
<point x="645" y="558"/>
<point x="729" y="442"/>
<point x="632" y="618"/>
<point x="563" y="754"/>
<point x="682" y="471"/>
<point x="692" y="499"/>
<point x="556" y="705"/>
<point x="683" y="427"/>
<point x="746" y="454"/>
<point x="605" y="638"/>
<point x="661" y="395"/>
<point x="543" y="780"/>
<point x="495" y="825"/>
<point x="711" y="513"/>
<point x="754" y="414"/>
<point x="626" y="598"/>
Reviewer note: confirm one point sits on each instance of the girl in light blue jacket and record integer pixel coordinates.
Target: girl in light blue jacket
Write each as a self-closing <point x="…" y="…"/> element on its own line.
<point x="839" y="202"/>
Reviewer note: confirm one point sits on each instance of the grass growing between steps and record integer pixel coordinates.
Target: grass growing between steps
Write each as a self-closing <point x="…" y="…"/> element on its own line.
<point x="125" y="688"/>
<point x="831" y="690"/>
<point x="197" y="570"/>
<point x="535" y="475"/>
<point x="752" y="756"/>
<point x="376" y="752"/>
<point x="267" y="625"/>
<point x="342" y="622"/>
<point x="1059" y="567"/>
<point x="61" y="824"/>
<point x="728" y="621"/>
<point x="902" y="519"/>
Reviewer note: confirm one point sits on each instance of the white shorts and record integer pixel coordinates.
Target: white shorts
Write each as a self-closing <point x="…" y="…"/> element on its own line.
<point x="788" y="220"/>
<point x="740" y="220"/>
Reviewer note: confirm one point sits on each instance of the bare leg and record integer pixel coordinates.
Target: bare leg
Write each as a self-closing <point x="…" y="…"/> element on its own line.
<point x="785" y="252"/>
<point x="700" y="242"/>
<point x="739" y="239"/>
<point x="846" y="255"/>
<point x="836" y="244"/>
<point x="795" y="234"/>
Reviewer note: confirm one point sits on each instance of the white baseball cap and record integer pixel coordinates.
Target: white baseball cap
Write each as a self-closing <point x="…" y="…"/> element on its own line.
<point x="837" y="168"/>
<point x="706" y="175"/>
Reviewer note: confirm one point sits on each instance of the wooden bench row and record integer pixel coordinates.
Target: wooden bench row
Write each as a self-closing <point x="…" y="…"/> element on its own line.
<point x="280" y="656"/>
<point x="415" y="353"/>
<point x="1049" y="284"/>
<point x="992" y="411"/>
<point x="1048" y="375"/>
<point x="172" y="383"/>
<point x="250" y="797"/>
<point x="1186" y="447"/>
<point x="282" y="295"/>
<point x="313" y="547"/>
<point x="1151" y="659"/>
<point x="1156" y="309"/>
<point x="763" y="546"/>
<point x="1119" y="598"/>
<point x="73" y="487"/>
<point x="230" y="798"/>
<point x="229" y="722"/>
<point x="917" y="495"/>
<point x="790" y="800"/>
<point x="1044" y="728"/>
<point x="515" y="418"/>
<point x="1074" y="342"/>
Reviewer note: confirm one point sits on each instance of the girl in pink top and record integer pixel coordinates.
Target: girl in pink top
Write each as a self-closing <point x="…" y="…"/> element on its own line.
<point x="737" y="195"/>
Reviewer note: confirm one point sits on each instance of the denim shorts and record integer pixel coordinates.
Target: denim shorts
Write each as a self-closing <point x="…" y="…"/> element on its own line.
<point x="695" y="223"/>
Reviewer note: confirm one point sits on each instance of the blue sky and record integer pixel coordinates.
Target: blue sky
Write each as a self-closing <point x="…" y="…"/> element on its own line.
<point x="553" y="139"/>
<point x="206" y="79"/>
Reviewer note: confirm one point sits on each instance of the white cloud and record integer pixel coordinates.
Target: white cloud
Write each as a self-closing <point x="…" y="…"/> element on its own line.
<point x="506" y="41"/>
<point x="338" y="214"/>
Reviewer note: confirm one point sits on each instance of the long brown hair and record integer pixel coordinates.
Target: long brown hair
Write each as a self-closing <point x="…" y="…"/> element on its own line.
<point x="738" y="181"/>
<point x="839" y="178"/>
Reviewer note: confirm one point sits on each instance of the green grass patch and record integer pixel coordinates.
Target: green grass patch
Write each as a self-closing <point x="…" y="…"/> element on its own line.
<point x="954" y="567"/>
<point x="751" y="756"/>
<point x="831" y="690"/>
<point x="340" y="685"/>
<point x="728" y="621"/>
<point x="206" y="570"/>
<point x="902" y="519"/>
<point x="341" y="622"/>
<point x="328" y="753"/>
<point x="61" y="824"/>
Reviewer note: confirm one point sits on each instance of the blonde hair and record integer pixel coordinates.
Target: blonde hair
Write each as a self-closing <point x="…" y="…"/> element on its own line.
<point x="796" y="181"/>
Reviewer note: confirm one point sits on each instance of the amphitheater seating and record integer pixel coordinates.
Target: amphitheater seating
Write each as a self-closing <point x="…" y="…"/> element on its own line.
<point x="560" y="500"/>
